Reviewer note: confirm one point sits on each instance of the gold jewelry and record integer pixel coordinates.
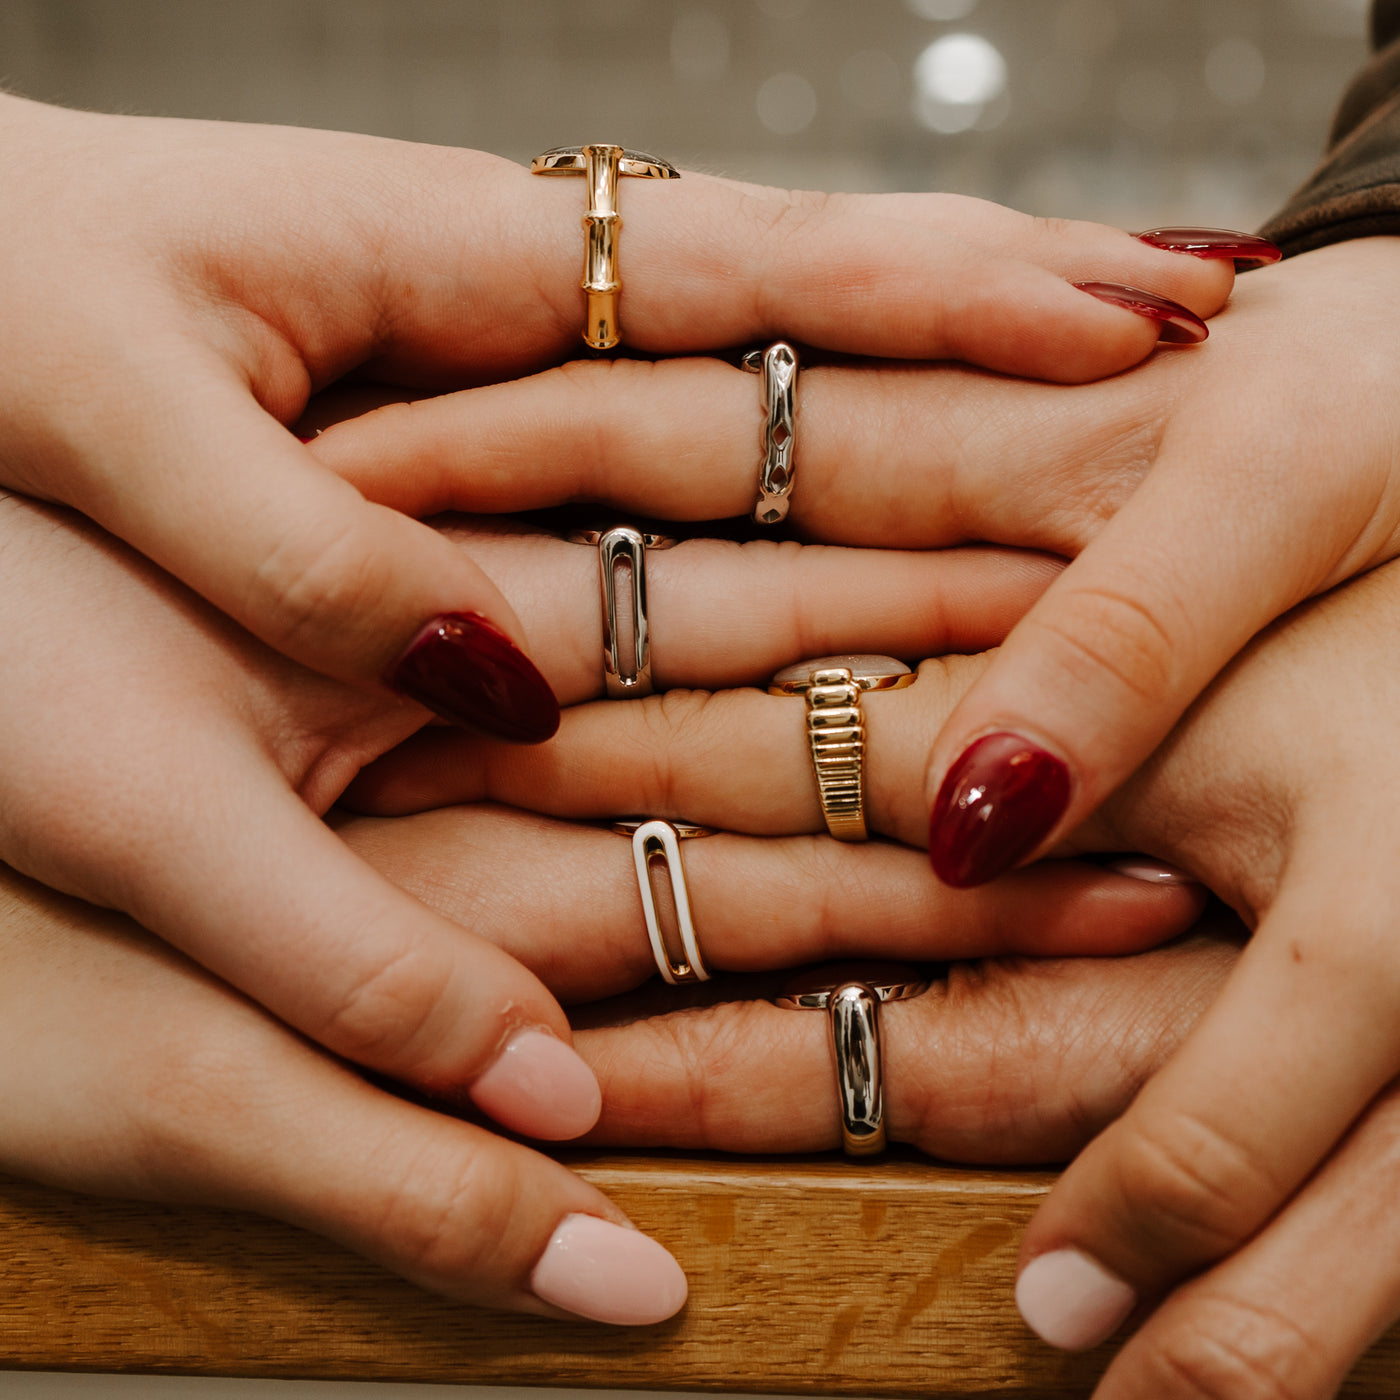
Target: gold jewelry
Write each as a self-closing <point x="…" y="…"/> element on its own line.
<point x="622" y="563"/>
<point x="778" y="389"/>
<point x="658" y="843"/>
<point x="601" y="165"/>
<point x="850" y="994"/>
<point x="832" y="686"/>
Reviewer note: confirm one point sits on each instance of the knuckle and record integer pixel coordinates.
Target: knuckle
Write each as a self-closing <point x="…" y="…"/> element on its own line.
<point x="450" y="1216"/>
<point x="680" y="732"/>
<point x="388" y="1017"/>
<point x="318" y="578"/>
<point x="1191" y="1192"/>
<point x="1113" y="632"/>
<point x="1246" y="1351"/>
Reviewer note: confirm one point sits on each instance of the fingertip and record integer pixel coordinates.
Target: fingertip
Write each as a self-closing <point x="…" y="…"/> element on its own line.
<point x="465" y="669"/>
<point x="1070" y="1301"/>
<point x="609" y="1273"/>
<point x="999" y="801"/>
<point x="539" y="1086"/>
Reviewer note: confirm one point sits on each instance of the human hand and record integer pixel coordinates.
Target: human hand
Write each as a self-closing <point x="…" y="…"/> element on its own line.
<point x="127" y="1070"/>
<point x="174" y="291"/>
<point x="191" y="799"/>
<point x="1258" y="1159"/>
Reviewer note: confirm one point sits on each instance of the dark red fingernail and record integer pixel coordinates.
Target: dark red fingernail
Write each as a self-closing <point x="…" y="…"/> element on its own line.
<point x="1000" y="800"/>
<point x="469" y="672"/>
<point x="1175" y="323"/>
<point x="1246" y="249"/>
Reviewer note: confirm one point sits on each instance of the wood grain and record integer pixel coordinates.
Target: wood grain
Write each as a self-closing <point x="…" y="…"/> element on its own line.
<point x="807" y="1275"/>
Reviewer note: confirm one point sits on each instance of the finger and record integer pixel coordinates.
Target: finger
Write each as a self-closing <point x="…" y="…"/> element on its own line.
<point x="834" y="272"/>
<point x="1227" y="532"/>
<point x="342" y="585"/>
<point x="1226" y="1133"/>
<point x="756" y="904"/>
<point x="961" y="455"/>
<point x="1291" y="1311"/>
<point x="706" y="625"/>
<point x="1008" y="1061"/>
<point x="212" y="1101"/>
<point x="685" y="754"/>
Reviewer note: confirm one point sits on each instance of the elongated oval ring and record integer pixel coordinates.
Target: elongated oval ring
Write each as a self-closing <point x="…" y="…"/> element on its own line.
<point x="622" y="554"/>
<point x="601" y="165"/>
<point x="658" y="843"/>
<point x="851" y="994"/>
<point x="832" y="687"/>
<point x="778" y="389"/>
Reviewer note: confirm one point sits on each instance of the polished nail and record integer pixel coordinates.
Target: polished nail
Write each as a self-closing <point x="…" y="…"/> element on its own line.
<point x="1071" y="1300"/>
<point x="1154" y="872"/>
<point x="1175" y="323"/>
<point x="469" y="672"/>
<point x="1246" y="249"/>
<point x="1000" y="800"/>
<point x="539" y="1086"/>
<point x="608" y="1273"/>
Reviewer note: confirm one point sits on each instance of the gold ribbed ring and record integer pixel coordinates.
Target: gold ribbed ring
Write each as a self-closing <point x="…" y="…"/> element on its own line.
<point x="832" y="687"/>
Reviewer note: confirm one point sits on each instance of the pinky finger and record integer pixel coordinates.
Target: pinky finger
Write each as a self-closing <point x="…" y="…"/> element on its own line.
<point x="1289" y="1313"/>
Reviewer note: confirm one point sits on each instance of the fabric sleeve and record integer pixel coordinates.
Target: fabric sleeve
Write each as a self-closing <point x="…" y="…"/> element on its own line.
<point x="1355" y="192"/>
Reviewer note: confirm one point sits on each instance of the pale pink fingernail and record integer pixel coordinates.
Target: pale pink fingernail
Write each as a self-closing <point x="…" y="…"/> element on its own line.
<point x="608" y="1273"/>
<point x="538" y="1086"/>
<point x="1071" y="1300"/>
<point x="1155" y="872"/>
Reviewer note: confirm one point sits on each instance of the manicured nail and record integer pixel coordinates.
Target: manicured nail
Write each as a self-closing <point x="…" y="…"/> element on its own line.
<point x="1071" y="1300"/>
<point x="469" y="672"/>
<point x="608" y="1273"/>
<point x="540" y="1087"/>
<point x="1246" y="249"/>
<point x="1000" y="800"/>
<point x="1175" y="323"/>
<point x="1155" y="872"/>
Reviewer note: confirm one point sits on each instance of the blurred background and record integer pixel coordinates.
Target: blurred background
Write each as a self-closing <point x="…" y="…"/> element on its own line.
<point x="1135" y="112"/>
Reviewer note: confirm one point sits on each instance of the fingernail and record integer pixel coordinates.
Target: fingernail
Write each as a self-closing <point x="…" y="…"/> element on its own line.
<point x="1155" y="872"/>
<point x="1247" y="249"/>
<point x="1071" y="1300"/>
<point x="540" y="1087"/>
<point x="608" y="1273"/>
<point x="469" y="672"/>
<point x="1175" y="323"/>
<point x="1000" y="800"/>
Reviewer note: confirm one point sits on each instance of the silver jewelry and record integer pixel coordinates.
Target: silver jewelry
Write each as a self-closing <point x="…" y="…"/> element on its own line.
<point x="658" y="843"/>
<point x="626" y="635"/>
<point x="850" y="994"/>
<point x="778" y="390"/>
<point x="832" y="687"/>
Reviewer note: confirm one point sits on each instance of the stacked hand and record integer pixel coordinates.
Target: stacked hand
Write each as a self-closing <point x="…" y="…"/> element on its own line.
<point x="176" y="307"/>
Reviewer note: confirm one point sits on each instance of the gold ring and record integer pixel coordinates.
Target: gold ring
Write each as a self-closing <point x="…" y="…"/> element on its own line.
<point x="601" y="165"/>
<point x="850" y="994"/>
<point x="655" y="844"/>
<point x="832" y="687"/>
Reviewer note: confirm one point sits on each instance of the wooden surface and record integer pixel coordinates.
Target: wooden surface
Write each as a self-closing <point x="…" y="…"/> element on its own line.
<point x="806" y="1275"/>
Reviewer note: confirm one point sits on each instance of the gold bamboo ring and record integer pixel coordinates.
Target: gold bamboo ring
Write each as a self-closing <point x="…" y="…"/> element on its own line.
<point x="601" y="166"/>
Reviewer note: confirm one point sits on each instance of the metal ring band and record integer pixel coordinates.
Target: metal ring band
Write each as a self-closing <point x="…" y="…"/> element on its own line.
<point x="659" y="842"/>
<point x="852" y="1005"/>
<point x="778" y="390"/>
<point x="623" y="549"/>
<point x="836" y="729"/>
<point x="601" y="165"/>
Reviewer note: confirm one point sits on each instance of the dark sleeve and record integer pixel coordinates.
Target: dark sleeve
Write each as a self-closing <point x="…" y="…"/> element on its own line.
<point x="1355" y="192"/>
